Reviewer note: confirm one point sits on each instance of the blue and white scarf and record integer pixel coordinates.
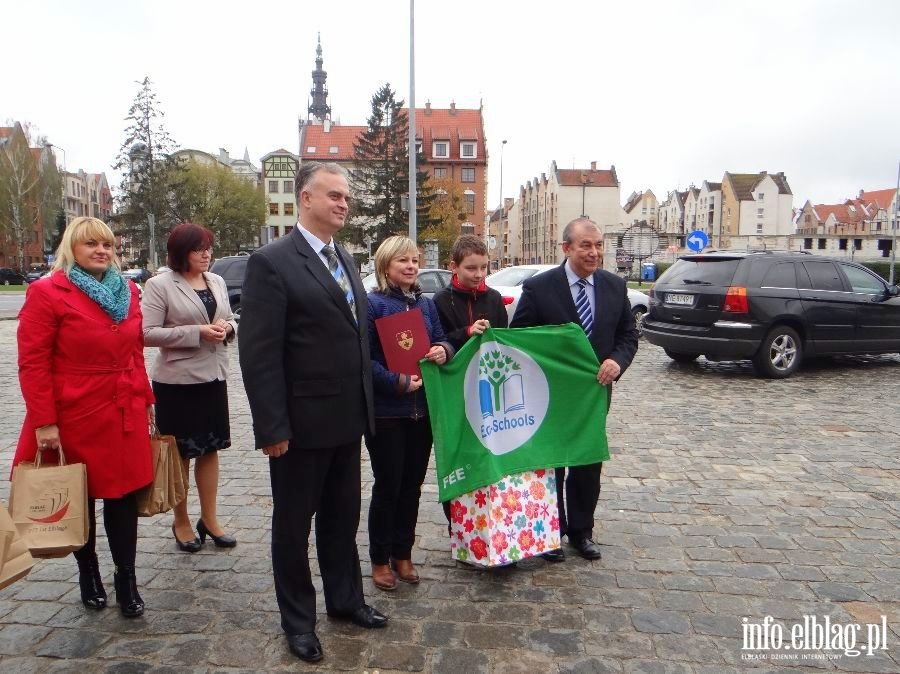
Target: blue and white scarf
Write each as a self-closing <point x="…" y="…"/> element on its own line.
<point x="111" y="293"/>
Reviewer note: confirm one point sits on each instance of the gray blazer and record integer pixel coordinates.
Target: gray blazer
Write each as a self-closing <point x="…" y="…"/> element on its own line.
<point x="173" y="314"/>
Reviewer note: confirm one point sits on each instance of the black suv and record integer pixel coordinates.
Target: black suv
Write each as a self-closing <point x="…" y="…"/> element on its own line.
<point x="772" y="307"/>
<point x="232" y="269"/>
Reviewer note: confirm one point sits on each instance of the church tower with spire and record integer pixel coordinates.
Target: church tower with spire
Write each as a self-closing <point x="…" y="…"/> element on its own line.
<point x="319" y="110"/>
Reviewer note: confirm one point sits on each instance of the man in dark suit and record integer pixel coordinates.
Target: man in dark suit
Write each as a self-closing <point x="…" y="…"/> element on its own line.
<point x="304" y="356"/>
<point x="579" y="291"/>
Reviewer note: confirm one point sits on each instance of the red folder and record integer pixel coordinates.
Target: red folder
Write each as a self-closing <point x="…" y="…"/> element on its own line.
<point x="404" y="340"/>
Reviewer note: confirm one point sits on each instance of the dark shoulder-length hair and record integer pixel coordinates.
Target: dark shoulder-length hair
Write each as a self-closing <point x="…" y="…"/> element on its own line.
<point x="184" y="239"/>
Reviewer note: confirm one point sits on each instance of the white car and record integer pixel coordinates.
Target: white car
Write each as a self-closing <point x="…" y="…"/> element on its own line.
<point x="508" y="282"/>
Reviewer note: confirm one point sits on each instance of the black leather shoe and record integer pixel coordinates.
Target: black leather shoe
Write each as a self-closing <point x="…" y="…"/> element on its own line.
<point x="305" y="646"/>
<point x="587" y="548"/>
<point x="364" y="616"/>
<point x="223" y="541"/>
<point x="558" y="555"/>
<point x="130" y="603"/>
<point x="192" y="545"/>
<point x="93" y="595"/>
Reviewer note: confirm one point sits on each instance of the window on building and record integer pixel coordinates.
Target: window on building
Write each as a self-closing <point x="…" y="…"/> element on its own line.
<point x="468" y="175"/>
<point x="289" y="209"/>
<point x="857" y="244"/>
<point x="273" y="208"/>
<point x="842" y="244"/>
<point x="311" y="149"/>
<point x="273" y="187"/>
<point x="288" y="186"/>
<point x="759" y="228"/>
<point x="440" y="172"/>
<point x="760" y="197"/>
<point x="760" y="212"/>
<point x="821" y="244"/>
<point x="470" y="201"/>
<point x="440" y="149"/>
<point x="333" y="149"/>
<point x="807" y="244"/>
<point x="467" y="150"/>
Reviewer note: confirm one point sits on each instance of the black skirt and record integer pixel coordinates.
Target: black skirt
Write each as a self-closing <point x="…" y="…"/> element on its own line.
<point x="196" y="414"/>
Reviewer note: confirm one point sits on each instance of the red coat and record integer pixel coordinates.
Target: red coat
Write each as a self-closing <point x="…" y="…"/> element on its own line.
<point x="84" y="372"/>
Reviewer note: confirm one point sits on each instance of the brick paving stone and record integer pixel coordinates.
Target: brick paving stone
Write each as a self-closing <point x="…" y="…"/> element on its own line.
<point x="753" y="509"/>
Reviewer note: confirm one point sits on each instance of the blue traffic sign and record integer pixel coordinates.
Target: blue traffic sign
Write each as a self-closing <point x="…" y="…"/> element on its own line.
<point x="697" y="240"/>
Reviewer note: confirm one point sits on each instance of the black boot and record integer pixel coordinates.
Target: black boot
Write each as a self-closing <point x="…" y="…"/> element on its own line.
<point x="93" y="594"/>
<point x="130" y="602"/>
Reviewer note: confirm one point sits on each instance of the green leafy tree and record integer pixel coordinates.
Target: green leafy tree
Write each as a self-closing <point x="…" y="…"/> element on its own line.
<point x="148" y="171"/>
<point x="497" y="367"/>
<point x="30" y="191"/>
<point x="381" y="179"/>
<point x="213" y="196"/>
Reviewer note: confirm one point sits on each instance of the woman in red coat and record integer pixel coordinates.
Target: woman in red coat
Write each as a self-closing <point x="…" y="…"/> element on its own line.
<point x="81" y="369"/>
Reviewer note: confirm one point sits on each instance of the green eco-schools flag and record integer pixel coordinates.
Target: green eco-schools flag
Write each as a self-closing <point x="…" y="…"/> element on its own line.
<point x="514" y="400"/>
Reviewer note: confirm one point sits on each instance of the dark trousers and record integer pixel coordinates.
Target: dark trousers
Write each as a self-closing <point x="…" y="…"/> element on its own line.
<point x="120" y="521"/>
<point x="580" y="485"/>
<point x="399" y="452"/>
<point x="324" y="483"/>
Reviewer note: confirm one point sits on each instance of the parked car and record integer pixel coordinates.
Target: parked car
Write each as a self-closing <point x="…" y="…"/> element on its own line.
<point x="775" y="308"/>
<point x="10" y="277"/>
<point x="232" y="268"/>
<point x="508" y="282"/>
<point x="35" y="272"/>
<point x="431" y="280"/>
<point x="137" y="275"/>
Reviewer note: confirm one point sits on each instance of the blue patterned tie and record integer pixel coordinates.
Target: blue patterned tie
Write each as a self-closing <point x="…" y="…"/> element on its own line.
<point x="583" y="307"/>
<point x="331" y="255"/>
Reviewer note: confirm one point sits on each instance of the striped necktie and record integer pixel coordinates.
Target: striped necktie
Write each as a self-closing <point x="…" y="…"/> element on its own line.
<point x="331" y="255"/>
<point x="583" y="307"/>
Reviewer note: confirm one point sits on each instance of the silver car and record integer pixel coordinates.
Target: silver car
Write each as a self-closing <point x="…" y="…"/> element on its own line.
<point x="508" y="282"/>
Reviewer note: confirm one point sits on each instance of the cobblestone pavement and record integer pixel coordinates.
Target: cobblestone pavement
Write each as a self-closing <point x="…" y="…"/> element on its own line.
<point x="727" y="497"/>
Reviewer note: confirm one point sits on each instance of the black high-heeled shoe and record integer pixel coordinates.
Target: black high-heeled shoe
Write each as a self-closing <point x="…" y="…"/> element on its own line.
<point x="93" y="594"/>
<point x="223" y="541"/>
<point x="192" y="545"/>
<point x="127" y="597"/>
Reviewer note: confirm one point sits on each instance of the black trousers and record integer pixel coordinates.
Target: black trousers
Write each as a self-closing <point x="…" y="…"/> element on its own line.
<point x="399" y="452"/>
<point x="324" y="483"/>
<point x="577" y="492"/>
<point x="120" y="520"/>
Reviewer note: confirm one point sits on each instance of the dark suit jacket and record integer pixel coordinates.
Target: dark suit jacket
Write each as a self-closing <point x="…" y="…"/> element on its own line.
<point x="547" y="300"/>
<point x="304" y="359"/>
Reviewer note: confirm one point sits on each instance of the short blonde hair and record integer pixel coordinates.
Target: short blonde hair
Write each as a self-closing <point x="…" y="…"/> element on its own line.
<point x="79" y="231"/>
<point x="392" y="247"/>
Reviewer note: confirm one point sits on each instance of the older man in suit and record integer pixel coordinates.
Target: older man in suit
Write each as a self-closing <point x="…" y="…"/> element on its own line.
<point x="579" y="291"/>
<point x="304" y="356"/>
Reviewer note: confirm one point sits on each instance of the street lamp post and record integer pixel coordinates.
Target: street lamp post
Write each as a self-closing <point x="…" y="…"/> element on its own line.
<point x="894" y="223"/>
<point x="500" y="224"/>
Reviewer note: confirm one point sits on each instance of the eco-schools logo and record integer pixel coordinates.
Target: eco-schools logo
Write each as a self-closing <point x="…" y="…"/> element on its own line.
<point x="512" y="397"/>
<point x="50" y="508"/>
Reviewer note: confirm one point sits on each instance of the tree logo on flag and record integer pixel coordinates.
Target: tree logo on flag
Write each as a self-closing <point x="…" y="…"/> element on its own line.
<point x="507" y="397"/>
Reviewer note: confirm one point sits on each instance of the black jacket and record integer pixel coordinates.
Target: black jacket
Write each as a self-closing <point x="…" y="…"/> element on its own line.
<point x="459" y="308"/>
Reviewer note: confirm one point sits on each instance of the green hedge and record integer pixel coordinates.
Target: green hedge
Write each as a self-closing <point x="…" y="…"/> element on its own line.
<point x="883" y="269"/>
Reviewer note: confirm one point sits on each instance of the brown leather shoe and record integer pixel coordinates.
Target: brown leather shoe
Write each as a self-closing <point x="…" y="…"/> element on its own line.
<point x="383" y="577"/>
<point x="406" y="571"/>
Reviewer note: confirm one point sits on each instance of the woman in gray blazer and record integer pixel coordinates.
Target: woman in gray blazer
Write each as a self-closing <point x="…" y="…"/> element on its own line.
<point x="188" y="316"/>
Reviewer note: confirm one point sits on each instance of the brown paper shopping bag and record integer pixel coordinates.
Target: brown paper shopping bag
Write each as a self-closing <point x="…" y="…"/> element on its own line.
<point x="169" y="487"/>
<point x="7" y="533"/>
<point x="48" y="505"/>
<point x="17" y="561"/>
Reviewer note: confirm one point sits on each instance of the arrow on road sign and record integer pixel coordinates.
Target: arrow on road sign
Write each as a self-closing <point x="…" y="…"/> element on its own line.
<point x="697" y="240"/>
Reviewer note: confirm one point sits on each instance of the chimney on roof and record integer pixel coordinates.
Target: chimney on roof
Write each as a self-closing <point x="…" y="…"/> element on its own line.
<point x="453" y="108"/>
<point x="593" y="166"/>
<point x="428" y="107"/>
<point x="326" y="125"/>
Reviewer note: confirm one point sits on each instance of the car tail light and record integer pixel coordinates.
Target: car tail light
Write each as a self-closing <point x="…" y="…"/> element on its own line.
<point x="736" y="301"/>
<point x="508" y="300"/>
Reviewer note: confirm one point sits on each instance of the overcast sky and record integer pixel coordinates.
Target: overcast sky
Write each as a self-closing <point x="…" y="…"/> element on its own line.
<point x="671" y="92"/>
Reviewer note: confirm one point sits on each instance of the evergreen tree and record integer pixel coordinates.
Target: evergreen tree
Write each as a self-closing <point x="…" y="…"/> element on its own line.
<point x="381" y="179"/>
<point x="148" y="171"/>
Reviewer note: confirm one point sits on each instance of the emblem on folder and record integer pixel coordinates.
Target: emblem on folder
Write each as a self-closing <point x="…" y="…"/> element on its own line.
<point x="405" y="339"/>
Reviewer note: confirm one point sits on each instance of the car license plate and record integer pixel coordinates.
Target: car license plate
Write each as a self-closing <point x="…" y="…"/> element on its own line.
<point x="679" y="298"/>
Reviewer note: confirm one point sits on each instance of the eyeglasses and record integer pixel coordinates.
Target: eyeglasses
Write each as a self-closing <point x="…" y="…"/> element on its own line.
<point x="208" y="251"/>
